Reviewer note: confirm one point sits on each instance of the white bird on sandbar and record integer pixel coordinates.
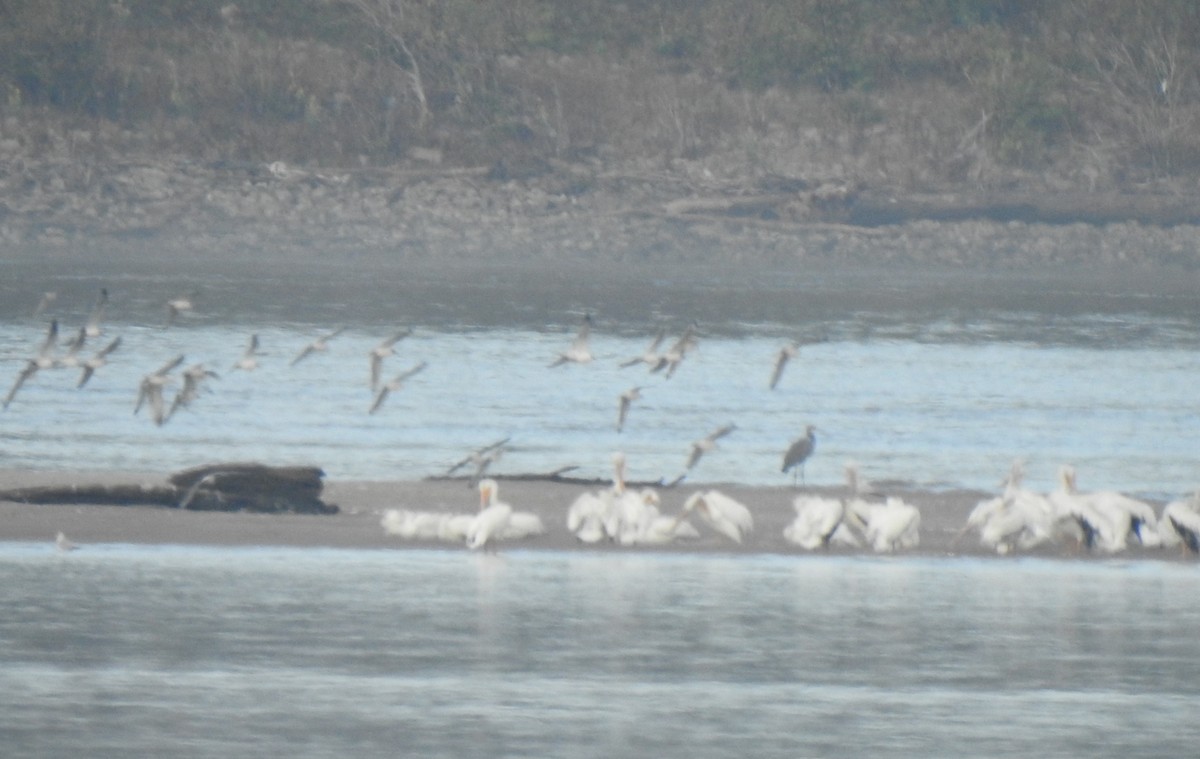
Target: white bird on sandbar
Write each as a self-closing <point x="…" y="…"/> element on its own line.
<point x="580" y="350"/>
<point x="819" y="523"/>
<point x="97" y="361"/>
<point x="382" y="351"/>
<point x="1180" y="524"/>
<point x="92" y="327"/>
<point x="44" y="359"/>
<point x="650" y="355"/>
<point x="492" y="519"/>
<point x="319" y="345"/>
<point x="887" y="526"/>
<point x="395" y="384"/>
<point x="594" y="516"/>
<point x="720" y="512"/>
<point x="1107" y="518"/>
<point x="1016" y="519"/>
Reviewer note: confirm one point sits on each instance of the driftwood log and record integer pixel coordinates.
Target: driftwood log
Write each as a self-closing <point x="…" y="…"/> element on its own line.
<point x="215" y="487"/>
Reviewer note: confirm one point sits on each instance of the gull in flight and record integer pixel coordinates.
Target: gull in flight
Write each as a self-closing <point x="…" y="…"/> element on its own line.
<point x="46" y="301"/>
<point x="70" y="359"/>
<point x="179" y="305"/>
<point x="90" y="365"/>
<point x="627" y="399"/>
<point x="703" y="446"/>
<point x="482" y="458"/>
<point x="382" y="351"/>
<point x="677" y="352"/>
<point x="43" y="360"/>
<point x="650" y="355"/>
<point x="798" y="452"/>
<point x="193" y="379"/>
<point x="92" y="328"/>
<point x="786" y="354"/>
<point x="580" y="351"/>
<point x="150" y="391"/>
<point x="249" y="360"/>
<point x="321" y="344"/>
<point x="396" y="383"/>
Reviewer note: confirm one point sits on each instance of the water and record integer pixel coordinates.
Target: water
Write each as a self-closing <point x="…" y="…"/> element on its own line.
<point x="939" y="379"/>
<point x="137" y="651"/>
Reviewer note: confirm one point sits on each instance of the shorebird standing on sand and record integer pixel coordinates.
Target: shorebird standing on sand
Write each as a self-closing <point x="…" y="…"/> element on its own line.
<point x="798" y="452"/>
<point x="580" y="351"/>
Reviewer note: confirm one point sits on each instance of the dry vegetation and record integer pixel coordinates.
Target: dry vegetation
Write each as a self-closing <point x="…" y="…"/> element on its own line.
<point x="1088" y="94"/>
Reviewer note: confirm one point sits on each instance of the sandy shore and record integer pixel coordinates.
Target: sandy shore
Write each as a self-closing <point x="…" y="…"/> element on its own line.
<point x="362" y="505"/>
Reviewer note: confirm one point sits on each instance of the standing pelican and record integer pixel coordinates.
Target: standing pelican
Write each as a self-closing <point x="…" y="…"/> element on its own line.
<point x="580" y="351"/>
<point x="178" y="305"/>
<point x="249" y="360"/>
<point x="382" y="351"/>
<point x="492" y="519"/>
<point x="650" y="355"/>
<point x="798" y="452"/>
<point x="720" y="512"/>
<point x="396" y="383"/>
<point x="1180" y="523"/>
<point x="819" y="522"/>
<point x="704" y="445"/>
<point x="90" y="365"/>
<point x="92" y="328"/>
<point x="150" y="391"/>
<point x="626" y="400"/>
<point x="43" y="360"/>
<point x="595" y="516"/>
<point x="786" y="354"/>
<point x="318" y="345"/>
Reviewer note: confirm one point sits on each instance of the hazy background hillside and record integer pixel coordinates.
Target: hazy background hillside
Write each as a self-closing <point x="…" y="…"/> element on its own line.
<point x="1086" y="94"/>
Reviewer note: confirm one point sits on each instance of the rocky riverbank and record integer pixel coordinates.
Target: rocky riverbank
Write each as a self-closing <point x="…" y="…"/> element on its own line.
<point x="542" y="211"/>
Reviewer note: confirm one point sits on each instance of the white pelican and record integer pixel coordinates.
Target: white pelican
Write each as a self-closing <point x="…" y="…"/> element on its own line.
<point x="819" y="523"/>
<point x="597" y="516"/>
<point x="1106" y="518"/>
<point x="580" y="351"/>
<point x="43" y="360"/>
<point x="318" y="345"/>
<point x="1018" y="518"/>
<point x="786" y="354"/>
<point x="626" y="400"/>
<point x="415" y="525"/>
<point x="1180" y="523"/>
<point x="677" y="352"/>
<point x="382" y="351"/>
<point x="179" y="305"/>
<point x="704" y="445"/>
<point x="650" y="355"/>
<point x="100" y="359"/>
<point x="92" y="328"/>
<point x="798" y="452"/>
<point x="249" y="360"/>
<point x="151" y="389"/>
<point x="886" y="526"/>
<point x="395" y="384"/>
<point x="720" y="512"/>
<point x="522" y="524"/>
<point x="492" y="519"/>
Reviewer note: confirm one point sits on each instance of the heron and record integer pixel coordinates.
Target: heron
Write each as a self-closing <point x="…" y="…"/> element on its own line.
<point x="798" y="452"/>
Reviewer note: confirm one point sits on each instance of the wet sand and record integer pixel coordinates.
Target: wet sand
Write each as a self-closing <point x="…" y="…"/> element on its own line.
<point x="362" y="505"/>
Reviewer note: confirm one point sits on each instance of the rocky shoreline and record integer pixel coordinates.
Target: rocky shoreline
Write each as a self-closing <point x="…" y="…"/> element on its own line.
<point x="553" y="210"/>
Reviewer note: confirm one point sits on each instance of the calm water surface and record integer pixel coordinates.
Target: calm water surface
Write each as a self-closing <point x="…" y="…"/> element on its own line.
<point x="938" y="379"/>
<point x="136" y="651"/>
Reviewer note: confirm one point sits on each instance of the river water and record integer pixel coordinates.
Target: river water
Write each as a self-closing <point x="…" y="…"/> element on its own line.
<point x="117" y="651"/>
<point x="937" y="379"/>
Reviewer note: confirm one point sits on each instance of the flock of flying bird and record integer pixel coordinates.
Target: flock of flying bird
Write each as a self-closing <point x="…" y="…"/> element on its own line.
<point x="1018" y="519"/>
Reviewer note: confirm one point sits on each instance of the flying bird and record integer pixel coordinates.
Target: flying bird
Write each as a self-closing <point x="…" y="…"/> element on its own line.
<point x="580" y="351"/>
<point x="92" y="328"/>
<point x="43" y="360"/>
<point x="650" y="355"/>
<point x="482" y="458"/>
<point x="45" y="302"/>
<point x="193" y="380"/>
<point x="626" y="400"/>
<point x="396" y="383"/>
<point x="798" y="452"/>
<point x="321" y="344"/>
<point x="70" y="359"/>
<point x="179" y="305"/>
<point x="786" y="354"/>
<point x="382" y="351"/>
<point x="249" y="360"/>
<point x="150" y="391"/>
<point x="704" y="445"/>
<point x="90" y="365"/>
<point x="677" y="352"/>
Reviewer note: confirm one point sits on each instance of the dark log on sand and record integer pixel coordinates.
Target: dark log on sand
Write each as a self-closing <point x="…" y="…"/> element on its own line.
<point x="216" y="487"/>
